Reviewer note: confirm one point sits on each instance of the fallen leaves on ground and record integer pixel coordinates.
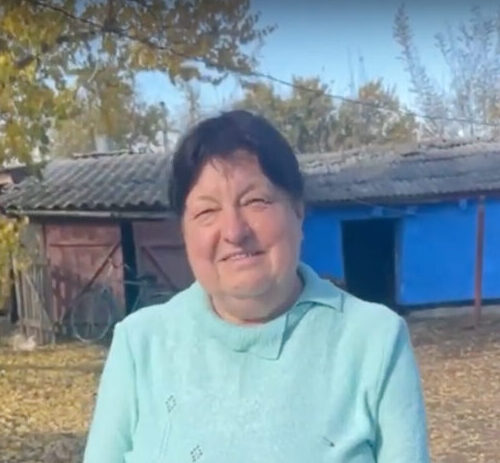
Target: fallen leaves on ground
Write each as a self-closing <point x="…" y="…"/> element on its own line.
<point x="46" y="396"/>
<point x="46" y="400"/>
<point x="460" y="370"/>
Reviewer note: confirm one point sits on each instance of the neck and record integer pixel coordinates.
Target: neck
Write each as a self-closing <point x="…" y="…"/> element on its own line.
<point x="257" y="310"/>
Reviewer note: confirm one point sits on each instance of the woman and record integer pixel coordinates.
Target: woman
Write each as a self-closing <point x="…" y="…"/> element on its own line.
<point x="260" y="360"/>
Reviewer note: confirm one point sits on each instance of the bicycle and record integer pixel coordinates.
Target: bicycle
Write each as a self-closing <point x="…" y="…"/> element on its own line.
<point x="95" y="311"/>
<point x="148" y="292"/>
<point x="93" y="314"/>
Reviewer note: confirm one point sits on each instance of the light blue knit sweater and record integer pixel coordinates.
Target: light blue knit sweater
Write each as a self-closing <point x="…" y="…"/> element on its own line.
<point x="333" y="379"/>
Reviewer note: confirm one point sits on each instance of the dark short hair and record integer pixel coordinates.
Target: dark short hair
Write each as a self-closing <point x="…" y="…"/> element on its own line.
<point x="221" y="137"/>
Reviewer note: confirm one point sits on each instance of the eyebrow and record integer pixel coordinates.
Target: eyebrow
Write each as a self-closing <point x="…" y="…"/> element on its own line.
<point x="205" y="198"/>
<point x="250" y="187"/>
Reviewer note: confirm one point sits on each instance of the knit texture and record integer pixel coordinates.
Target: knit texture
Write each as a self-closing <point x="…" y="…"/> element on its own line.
<point x="333" y="379"/>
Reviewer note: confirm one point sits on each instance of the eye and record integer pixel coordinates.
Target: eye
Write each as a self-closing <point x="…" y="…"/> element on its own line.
<point x="204" y="212"/>
<point x="257" y="201"/>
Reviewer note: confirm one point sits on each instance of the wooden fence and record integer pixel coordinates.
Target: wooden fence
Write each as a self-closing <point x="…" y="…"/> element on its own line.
<point x="33" y="295"/>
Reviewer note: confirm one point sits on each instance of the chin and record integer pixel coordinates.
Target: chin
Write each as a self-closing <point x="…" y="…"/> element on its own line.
<point x="248" y="290"/>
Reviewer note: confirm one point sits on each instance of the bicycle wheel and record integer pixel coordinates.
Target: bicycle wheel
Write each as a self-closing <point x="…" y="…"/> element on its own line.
<point x="92" y="314"/>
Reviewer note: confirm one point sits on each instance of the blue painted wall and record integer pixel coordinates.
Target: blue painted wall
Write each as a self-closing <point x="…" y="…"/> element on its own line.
<point x="491" y="264"/>
<point x="322" y="245"/>
<point x="435" y="248"/>
<point x="437" y="253"/>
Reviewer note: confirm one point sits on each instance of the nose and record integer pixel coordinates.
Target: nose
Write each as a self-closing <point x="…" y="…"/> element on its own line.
<point x="235" y="228"/>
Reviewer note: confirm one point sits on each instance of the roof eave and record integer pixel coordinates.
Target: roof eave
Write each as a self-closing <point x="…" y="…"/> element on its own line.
<point x="105" y="214"/>
<point x="406" y="199"/>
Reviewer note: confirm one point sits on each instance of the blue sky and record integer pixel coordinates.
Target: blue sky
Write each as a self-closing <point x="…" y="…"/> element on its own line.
<point x="321" y="37"/>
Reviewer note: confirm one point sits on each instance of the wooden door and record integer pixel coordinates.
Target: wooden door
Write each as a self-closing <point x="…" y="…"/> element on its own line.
<point x="159" y="250"/>
<point x="82" y="254"/>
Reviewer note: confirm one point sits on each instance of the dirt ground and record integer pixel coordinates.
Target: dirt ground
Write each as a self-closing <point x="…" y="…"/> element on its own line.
<point x="46" y="396"/>
<point x="460" y="370"/>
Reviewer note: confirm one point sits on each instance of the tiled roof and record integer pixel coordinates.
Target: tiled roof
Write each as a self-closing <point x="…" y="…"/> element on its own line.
<point x="97" y="182"/>
<point x="425" y="171"/>
<point x="138" y="182"/>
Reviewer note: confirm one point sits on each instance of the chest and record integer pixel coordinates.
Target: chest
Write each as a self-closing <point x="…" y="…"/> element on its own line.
<point x="234" y="407"/>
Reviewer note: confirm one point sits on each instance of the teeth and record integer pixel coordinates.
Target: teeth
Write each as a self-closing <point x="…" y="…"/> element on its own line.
<point x="242" y="255"/>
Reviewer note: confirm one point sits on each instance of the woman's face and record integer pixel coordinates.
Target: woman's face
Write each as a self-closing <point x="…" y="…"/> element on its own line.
<point x="242" y="233"/>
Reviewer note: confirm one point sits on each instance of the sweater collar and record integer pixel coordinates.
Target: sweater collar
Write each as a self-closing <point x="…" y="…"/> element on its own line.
<point x="265" y="340"/>
<point x="317" y="290"/>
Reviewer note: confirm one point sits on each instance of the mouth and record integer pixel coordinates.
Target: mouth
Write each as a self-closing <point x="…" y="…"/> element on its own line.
<point x="240" y="255"/>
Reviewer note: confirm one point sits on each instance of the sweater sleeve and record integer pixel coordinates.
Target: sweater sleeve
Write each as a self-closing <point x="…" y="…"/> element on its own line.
<point x="402" y="428"/>
<point x="115" y="413"/>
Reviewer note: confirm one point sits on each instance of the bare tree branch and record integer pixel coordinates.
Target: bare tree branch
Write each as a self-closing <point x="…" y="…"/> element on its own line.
<point x="45" y="48"/>
<point x="115" y="29"/>
<point x="66" y="13"/>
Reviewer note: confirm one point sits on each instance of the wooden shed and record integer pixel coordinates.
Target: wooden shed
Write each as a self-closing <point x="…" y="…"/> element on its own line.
<point x="96" y="219"/>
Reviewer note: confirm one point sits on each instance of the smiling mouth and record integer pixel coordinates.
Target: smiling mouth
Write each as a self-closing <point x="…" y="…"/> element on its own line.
<point x="241" y="255"/>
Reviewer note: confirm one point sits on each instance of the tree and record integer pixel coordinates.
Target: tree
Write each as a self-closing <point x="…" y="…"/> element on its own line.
<point x="50" y="50"/>
<point x="11" y="230"/>
<point x="366" y="123"/>
<point x="311" y="115"/>
<point x="305" y="116"/>
<point x="312" y="124"/>
<point x="471" y="53"/>
<point x="116" y="119"/>
<point x="191" y="111"/>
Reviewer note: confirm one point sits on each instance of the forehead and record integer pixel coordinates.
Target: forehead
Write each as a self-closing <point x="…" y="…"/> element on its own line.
<point x="239" y="170"/>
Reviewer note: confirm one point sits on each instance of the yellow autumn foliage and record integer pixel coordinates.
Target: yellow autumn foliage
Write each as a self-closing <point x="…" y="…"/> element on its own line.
<point x="10" y="248"/>
<point x="57" y="55"/>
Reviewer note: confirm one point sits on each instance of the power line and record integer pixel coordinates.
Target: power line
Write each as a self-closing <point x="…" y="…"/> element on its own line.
<point x="258" y="74"/>
<point x="369" y="104"/>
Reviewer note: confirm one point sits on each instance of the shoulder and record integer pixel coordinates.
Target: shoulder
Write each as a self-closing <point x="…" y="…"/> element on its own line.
<point x="372" y="327"/>
<point x="358" y="318"/>
<point x="370" y="316"/>
<point x="373" y="337"/>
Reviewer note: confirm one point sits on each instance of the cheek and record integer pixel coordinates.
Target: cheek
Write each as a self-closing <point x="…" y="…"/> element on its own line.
<point x="279" y="230"/>
<point x="200" y="245"/>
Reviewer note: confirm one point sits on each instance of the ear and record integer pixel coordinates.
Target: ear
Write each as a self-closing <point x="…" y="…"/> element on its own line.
<point x="299" y="208"/>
